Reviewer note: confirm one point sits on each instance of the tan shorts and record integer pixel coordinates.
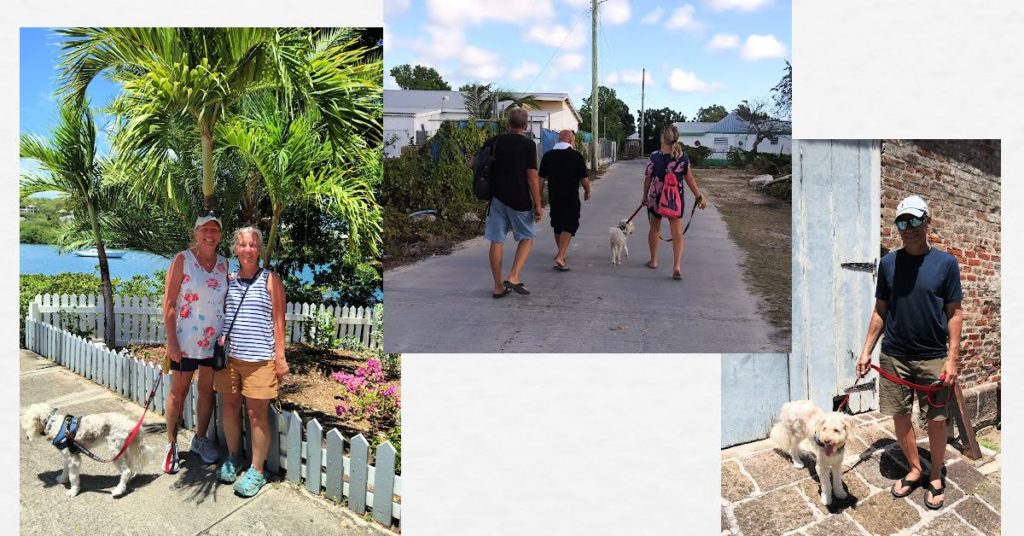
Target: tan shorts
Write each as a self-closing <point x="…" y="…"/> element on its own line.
<point x="253" y="379"/>
<point x="896" y="399"/>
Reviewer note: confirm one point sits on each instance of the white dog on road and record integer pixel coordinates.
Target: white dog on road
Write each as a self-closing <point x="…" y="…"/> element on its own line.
<point x="110" y="429"/>
<point x="803" y="428"/>
<point x="618" y="240"/>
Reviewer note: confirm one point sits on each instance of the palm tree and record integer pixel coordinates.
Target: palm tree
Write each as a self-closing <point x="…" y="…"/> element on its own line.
<point x="201" y="73"/>
<point x="68" y="164"/>
<point x="296" y="165"/>
<point x="483" y="101"/>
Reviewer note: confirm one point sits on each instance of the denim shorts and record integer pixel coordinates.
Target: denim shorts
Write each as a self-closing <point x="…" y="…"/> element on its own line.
<point x="500" y="219"/>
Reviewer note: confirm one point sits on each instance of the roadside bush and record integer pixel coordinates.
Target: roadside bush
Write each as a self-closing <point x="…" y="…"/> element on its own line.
<point x="318" y="331"/>
<point x="697" y="155"/>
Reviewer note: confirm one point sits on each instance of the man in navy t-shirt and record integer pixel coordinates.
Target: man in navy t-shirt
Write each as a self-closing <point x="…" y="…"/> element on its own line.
<point x="917" y="303"/>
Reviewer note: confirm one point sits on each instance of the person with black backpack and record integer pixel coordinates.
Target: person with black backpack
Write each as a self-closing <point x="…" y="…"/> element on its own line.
<point x="506" y="172"/>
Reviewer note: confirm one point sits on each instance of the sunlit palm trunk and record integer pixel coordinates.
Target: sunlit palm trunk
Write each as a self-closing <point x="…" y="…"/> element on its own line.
<point x="272" y="241"/>
<point x="206" y="138"/>
<point x="106" y="288"/>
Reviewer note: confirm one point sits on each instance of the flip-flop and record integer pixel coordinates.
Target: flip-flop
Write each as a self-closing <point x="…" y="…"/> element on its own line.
<point x="648" y="264"/>
<point x="678" y="276"/>
<point x="561" y="267"/>
<point x="941" y="490"/>
<point x="502" y="294"/>
<point x="911" y="485"/>
<point x="519" y="288"/>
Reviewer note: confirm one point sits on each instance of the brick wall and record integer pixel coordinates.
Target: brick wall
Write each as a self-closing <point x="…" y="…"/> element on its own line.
<point x="960" y="181"/>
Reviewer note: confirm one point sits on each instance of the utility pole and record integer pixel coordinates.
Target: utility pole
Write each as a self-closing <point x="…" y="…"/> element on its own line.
<point x="594" y="104"/>
<point x="643" y="80"/>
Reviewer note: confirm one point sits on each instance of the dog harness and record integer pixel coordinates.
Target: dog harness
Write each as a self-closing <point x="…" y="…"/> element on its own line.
<point x="65" y="438"/>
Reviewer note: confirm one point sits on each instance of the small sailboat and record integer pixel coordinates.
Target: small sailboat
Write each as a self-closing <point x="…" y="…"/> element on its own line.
<point x="111" y="253"/>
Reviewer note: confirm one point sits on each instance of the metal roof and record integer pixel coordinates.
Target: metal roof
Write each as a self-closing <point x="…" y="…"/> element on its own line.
<point x="732" y="124"/>
<point x="430" y="99"/>
<point x="694" y="127"/>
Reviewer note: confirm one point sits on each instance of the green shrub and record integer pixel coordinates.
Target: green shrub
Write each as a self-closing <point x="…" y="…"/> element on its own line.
<point x="318" y="331"/>
<point x="697" y="155"/>
<point x="350" y="344"/>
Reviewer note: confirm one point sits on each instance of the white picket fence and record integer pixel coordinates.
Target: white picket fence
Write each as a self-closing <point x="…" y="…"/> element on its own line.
<point x="323" y="463"/>
<point x="138" y="320"/>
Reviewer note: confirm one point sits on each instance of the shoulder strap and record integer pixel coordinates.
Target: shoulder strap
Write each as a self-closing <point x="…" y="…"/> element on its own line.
<point x="239" y="308"/>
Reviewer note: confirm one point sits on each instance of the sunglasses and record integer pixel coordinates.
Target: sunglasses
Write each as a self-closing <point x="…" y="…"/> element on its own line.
<point x="912" y="222"/>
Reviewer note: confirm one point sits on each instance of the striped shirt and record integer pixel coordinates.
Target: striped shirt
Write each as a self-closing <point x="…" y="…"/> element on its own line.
<point x="251" y="337"/>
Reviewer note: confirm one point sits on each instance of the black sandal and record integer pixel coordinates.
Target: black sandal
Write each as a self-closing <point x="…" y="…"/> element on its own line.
<point x="911" y="485"/>
<point x="941" y="490"/>
<point x="501" y="294"/>
<point x="519" y="288"/>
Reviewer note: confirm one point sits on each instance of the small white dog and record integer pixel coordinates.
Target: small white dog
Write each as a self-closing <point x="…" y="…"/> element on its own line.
<point x="618" y="235"/>
<point x="110" y="429"/>
<point x="803" y="428"/>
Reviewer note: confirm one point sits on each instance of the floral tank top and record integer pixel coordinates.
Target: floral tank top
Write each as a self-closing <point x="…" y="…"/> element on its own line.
<point x="200" y="306"/>
<point x="657" y="167"/>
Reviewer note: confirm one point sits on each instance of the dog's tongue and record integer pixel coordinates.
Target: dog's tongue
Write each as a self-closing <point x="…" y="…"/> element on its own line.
<point x="828" y="450"/>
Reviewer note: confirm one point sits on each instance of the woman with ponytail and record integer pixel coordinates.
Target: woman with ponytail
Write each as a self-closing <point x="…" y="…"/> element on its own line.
<point x="670" y="157"/>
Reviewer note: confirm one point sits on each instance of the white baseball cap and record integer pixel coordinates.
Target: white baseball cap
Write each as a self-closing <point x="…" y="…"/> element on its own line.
<point x="913" y="205"/>
<point x="208" y="217"/>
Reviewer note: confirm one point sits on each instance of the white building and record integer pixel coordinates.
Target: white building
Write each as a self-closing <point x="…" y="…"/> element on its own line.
<point x="411" y="117"/>
<point x="731" y="132"/>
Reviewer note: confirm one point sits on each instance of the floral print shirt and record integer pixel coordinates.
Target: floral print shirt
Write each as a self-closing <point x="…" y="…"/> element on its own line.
<point x="200" y="306"/>
<point x="657" y="168"/>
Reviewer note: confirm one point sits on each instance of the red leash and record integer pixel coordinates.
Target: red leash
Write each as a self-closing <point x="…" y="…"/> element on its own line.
<point x="929" y="390"/>
<point x="134" y="432"/>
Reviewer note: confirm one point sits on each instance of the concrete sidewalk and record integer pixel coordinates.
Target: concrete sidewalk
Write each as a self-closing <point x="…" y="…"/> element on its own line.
<point x="443" y="304"/>
<point x="762" y="493"/>
<point x="190" y="502"/>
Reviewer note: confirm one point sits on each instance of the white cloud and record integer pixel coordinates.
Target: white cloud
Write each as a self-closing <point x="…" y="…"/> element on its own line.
<point x="738" y="5"/>
<point x="688" y="82"/>
<point x="628" y="77"/>
<point x="615" y="12"/>
<point x="759" y="47"/>
<point x="554" y="36"/>
<point x="457" y="13"/>
<point x="682" y="19"/>
<point x="654" y="16"/>
<point x="482" y="65"/>
<point x="723" y="42"/>
<point x="394" y="8"/>
<point x="525" y="70"/>
<point x="568" y="62"/>
<point x="390" y="83"/>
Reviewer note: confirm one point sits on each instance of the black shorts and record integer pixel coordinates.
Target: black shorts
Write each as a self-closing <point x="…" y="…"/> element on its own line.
<point x="651" y="213"/>
<point x="565" y="218"/>
<point x="187" y="364"/>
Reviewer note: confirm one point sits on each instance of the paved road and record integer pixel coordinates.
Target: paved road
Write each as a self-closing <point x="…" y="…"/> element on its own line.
<point x="190" y="502"/>
<point x="443" y="304"/>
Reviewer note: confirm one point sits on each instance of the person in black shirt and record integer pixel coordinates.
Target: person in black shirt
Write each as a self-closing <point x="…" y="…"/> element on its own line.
<point x="565" y="170"/>
<point x="917" y="302"/>
<point x="516" y="203"/>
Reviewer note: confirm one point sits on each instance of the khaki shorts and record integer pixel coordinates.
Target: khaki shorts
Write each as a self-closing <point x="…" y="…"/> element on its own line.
<point x="896" y="399"/>
<point x="253" y="379"/>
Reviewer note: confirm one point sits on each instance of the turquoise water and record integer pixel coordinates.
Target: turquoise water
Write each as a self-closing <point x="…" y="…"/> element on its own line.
<point x="46" y="259"/>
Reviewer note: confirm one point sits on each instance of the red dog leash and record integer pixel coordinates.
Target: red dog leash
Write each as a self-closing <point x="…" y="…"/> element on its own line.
<point x="929" y="390"/>
<point x="131" y="435"/>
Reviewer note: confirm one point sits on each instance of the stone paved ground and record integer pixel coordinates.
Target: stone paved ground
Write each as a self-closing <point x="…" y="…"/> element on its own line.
<point x="762" y="493"/>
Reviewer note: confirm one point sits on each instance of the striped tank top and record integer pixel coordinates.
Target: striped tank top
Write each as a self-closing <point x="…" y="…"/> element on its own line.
<point x="252" y="335"/>
<point x="200" y="306"/>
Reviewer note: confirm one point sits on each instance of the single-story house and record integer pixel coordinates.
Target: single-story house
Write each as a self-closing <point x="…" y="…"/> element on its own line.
<point x="411" y="117"/>
<point x="731" y="132"/>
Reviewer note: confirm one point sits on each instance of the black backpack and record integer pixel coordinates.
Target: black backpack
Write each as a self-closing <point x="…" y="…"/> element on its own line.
<point x="481" y="171"/>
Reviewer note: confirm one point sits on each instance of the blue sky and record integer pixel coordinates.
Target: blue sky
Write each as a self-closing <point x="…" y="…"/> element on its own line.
<point x="696" y="53"/>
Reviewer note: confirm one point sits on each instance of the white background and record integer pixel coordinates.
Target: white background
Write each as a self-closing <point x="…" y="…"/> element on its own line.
<point x="506" y="444"/>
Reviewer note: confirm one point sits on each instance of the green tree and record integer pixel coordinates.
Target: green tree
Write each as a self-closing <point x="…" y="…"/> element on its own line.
<point x="784" y="93"/>
<point x="613" y="116"/>
<point x="418" y="77"/>
<point x="68" y="164"/>
<point x="484" y="101"/>
<point x="654" y="122"/>
<point x="759" y="123"/>
<point x="712" y="114"/>
<point x="201" y="73"/>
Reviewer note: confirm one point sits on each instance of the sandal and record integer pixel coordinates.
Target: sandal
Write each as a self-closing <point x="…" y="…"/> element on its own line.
<point x="519" y="288"/>
<point x="911" y="485"/>
<point x="941" y="490"/>
<point x="561" y="267"/>
<point x="678" y="276"/>
<point x="501" y="294"/>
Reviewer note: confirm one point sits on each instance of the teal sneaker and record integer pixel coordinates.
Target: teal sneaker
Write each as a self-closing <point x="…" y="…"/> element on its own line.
<point x="229" y="470"/>
<point x="250" y="483"/>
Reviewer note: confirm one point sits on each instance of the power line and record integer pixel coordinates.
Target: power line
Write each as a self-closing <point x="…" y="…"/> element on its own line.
<point x="557" y="50"/>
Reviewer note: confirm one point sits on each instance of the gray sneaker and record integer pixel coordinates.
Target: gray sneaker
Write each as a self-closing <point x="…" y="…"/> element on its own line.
<point x="204" y="448"/>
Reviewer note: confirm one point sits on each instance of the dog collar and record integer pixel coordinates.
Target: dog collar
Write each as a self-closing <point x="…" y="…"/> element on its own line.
<point x="820" y="443"/>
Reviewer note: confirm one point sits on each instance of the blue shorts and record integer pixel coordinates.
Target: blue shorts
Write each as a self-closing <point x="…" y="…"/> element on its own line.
<point x="501" y="218"/>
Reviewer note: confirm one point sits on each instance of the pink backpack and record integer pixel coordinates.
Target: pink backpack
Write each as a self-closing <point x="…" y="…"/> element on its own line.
<point x="670" y="204"/>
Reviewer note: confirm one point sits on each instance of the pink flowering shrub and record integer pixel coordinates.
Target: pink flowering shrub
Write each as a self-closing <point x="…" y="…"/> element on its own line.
<point x="367" y="396"/>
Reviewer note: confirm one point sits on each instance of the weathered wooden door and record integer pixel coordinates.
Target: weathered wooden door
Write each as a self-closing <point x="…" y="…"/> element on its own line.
<point x="835" y="253"/>
<point x="836" y="243"/>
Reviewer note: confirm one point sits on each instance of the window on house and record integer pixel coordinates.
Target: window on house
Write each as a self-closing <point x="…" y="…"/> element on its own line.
<point x="775" y="140"/>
